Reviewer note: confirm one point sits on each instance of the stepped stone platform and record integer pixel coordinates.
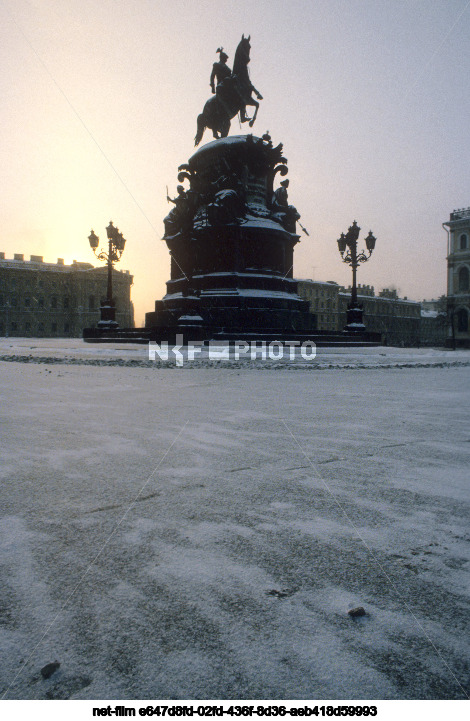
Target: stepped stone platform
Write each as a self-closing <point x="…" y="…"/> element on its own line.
<point x="144" y="335"/>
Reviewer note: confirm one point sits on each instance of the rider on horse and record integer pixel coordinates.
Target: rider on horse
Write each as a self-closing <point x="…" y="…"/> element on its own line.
<point x="242" y="86"/>
<point x="232" y="94"/>
<point x="220" y="70"/>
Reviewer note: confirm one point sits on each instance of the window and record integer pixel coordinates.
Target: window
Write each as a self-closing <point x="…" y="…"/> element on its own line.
<point x="27" y="326"/>
<point x="54" y="302"/>
<point x="462" y="321"/>
<point x="66" y="302"/>
<point x="27" y="302"/>
<point x="91" y="302"/>
<point x="41" y="302"/>
<point x="464" y="280"/>
<point x="463" y="242"/>
<point x="66" y="327"/>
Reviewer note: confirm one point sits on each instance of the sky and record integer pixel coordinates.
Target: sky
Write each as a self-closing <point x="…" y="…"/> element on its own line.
<point x="369" y="97"/>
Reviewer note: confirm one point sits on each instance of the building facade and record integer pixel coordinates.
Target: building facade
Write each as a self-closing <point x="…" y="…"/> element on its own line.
<point x="322" y="298"/>
<point x="458" y="276"/>
<point x="399" y="321"/>
<point x="46" y="300"/>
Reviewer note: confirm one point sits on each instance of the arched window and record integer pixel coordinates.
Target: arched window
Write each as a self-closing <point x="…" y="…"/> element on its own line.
<point x="464" y="279"/>
<point x="463" y="242"/>
<point x="462" y="320"/>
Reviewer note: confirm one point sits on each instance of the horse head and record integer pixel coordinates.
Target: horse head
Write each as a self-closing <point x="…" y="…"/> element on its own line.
<point x="246" y="45"/>
<point x="242" y="57"/>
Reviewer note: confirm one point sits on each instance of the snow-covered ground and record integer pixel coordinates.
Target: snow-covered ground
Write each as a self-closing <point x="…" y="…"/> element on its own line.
<point x="201" y="532"/>
<point x="74" y="351"/>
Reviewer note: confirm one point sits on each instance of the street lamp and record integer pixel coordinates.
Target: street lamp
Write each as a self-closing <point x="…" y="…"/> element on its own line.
<point x="116" y="244"/>
<point x="354" y="259"/>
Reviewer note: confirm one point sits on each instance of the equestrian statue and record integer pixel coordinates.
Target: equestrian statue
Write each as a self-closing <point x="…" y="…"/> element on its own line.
<point x="231" y="95"/>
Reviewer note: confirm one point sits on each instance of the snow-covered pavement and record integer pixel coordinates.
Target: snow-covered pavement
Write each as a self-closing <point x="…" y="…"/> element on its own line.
<point x="74" y="351"/>
<point x="202" y="532"/>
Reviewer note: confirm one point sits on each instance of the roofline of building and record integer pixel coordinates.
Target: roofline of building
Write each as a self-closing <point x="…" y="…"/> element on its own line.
<point x="76" y="266"/>
<point x="381" y="297"/>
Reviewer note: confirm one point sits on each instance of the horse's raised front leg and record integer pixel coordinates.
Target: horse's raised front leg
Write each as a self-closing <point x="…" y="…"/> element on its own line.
<point x="243" y="116"/>
<point x="256" y="104"/>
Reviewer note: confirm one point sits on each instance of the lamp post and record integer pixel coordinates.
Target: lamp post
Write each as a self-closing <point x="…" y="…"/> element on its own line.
<point x="350" y="256"/>
<point x="116" y="244"/>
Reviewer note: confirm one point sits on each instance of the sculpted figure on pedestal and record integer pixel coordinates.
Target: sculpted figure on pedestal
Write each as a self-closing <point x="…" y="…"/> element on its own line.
<point x="286" y="214"/>
<point x="179" y="218"/>
<point x="228" y="201"/>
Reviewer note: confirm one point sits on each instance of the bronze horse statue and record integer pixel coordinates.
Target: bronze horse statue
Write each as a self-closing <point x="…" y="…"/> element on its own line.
<point x="232" y="96"/>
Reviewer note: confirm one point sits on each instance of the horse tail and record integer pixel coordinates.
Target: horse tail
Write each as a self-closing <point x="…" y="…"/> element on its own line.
<point x="200" y="129"/>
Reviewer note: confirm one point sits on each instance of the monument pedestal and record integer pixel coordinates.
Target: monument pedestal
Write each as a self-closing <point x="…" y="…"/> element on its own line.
<point x="107" y="316"/>
<point x="232" y="244"/>
<point x="354" y="319"/>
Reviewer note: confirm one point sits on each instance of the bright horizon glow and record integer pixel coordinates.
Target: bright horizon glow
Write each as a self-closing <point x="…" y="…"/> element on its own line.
<point x="368" y="97"/>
